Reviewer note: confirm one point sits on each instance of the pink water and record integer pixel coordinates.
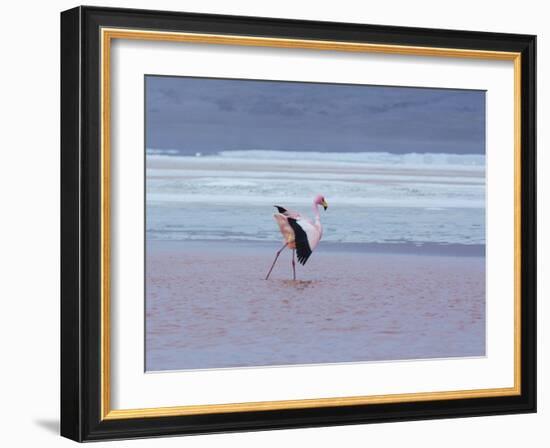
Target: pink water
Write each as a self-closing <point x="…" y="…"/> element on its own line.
<point x="207" y="306"/>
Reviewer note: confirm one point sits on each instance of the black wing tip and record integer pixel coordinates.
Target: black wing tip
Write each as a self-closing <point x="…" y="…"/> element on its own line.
<point x="280" y="209"/>
<point x="303" y="251"/>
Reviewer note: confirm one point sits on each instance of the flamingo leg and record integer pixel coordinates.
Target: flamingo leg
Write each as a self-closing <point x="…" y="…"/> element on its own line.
<point x="293" y="265"/>
<point x="275" y="261"/>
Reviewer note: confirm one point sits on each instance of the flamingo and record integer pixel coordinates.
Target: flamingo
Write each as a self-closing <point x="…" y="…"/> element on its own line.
<point x="299" y="233"/>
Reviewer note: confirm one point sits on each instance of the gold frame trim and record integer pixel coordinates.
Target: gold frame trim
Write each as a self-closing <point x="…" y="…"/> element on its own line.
<point x="107" y="35"/>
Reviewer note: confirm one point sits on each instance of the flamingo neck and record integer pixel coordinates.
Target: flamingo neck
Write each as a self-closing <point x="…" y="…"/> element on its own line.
<point x="316" y="212"/>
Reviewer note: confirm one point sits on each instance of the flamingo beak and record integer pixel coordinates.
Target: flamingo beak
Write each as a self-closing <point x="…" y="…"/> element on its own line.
<point x="324" y="204"/>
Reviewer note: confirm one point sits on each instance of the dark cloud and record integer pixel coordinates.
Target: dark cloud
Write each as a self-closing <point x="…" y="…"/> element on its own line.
<point x="209" y="115"/>
<point x="225" y="104"/>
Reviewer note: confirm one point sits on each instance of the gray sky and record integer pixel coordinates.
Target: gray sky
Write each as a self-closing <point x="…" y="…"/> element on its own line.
<point x="210" y="115"/>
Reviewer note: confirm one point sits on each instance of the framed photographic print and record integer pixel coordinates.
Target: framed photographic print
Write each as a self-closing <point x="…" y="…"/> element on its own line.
<point x="274" y="223"/>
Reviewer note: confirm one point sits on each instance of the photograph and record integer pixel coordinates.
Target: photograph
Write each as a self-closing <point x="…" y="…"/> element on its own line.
<point x="278" y="220"/>
<point x="300" y="223"/>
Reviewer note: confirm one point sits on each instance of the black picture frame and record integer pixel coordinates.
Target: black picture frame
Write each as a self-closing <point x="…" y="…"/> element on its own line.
<point x="81" y="224"/>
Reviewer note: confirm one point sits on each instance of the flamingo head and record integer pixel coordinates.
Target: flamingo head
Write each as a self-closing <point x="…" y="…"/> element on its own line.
<point x="320" y="200"/>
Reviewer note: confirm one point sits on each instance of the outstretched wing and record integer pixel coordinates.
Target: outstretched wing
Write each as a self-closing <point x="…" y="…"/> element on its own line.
<point x="303" y="249"/>
<point x="287" y="213"/>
